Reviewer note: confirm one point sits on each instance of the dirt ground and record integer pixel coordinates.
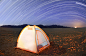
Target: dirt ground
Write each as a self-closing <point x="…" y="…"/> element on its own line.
<point x="63" y="42"/>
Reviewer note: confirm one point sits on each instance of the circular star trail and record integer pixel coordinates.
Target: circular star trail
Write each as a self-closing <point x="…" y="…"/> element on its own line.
<point x="70" y="13"/>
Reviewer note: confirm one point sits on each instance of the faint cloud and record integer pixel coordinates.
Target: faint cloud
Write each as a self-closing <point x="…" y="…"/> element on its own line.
<point x="16" y="24"/>
<point x="80" y="4"/>
<point x="1" y="24"/>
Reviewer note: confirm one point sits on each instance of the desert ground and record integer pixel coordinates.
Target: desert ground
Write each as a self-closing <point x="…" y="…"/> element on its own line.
<point x="63" y="42"/>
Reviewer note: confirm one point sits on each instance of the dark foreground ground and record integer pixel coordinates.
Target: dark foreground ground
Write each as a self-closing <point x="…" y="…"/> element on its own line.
<point x="64" y="42"/>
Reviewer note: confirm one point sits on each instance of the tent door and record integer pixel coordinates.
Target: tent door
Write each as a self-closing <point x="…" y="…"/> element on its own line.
<point x="41" y="41"/>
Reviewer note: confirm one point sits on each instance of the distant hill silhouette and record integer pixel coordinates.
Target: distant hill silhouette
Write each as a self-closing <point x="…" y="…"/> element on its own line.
<point x="41" y="26"/>
<point x="15" y="26"/>
<point x="52" y="26"/>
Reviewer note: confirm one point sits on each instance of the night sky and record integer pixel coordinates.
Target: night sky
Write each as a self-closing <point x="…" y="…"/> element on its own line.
<point x="70" y="13"/>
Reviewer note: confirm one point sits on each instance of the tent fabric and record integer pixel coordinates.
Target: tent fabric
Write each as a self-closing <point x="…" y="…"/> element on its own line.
<point x="27" y="39"/>
<point x="40" y="37"/>
<point x="33" y="39"/>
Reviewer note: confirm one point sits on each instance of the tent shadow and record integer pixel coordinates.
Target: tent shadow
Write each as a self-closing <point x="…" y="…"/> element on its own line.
<point x="53" y="50"/>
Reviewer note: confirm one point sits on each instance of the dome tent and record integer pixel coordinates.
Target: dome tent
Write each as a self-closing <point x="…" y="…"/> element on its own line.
<point x="33" y="39"/>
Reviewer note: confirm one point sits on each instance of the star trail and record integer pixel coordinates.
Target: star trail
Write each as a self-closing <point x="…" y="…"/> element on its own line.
<point x="70" y="13"/>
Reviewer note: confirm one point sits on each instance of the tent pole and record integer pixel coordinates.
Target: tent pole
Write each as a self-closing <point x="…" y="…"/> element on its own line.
<point x="35" y="39"/>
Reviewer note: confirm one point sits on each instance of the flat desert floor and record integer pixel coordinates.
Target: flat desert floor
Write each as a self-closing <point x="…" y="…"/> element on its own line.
<point x="64" y="42"/>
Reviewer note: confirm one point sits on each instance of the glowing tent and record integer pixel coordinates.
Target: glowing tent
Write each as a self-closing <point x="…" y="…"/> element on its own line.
<point x="33" y="39"/>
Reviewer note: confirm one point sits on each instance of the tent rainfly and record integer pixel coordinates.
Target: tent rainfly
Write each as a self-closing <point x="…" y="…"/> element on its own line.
<point x="33" y="39"/>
